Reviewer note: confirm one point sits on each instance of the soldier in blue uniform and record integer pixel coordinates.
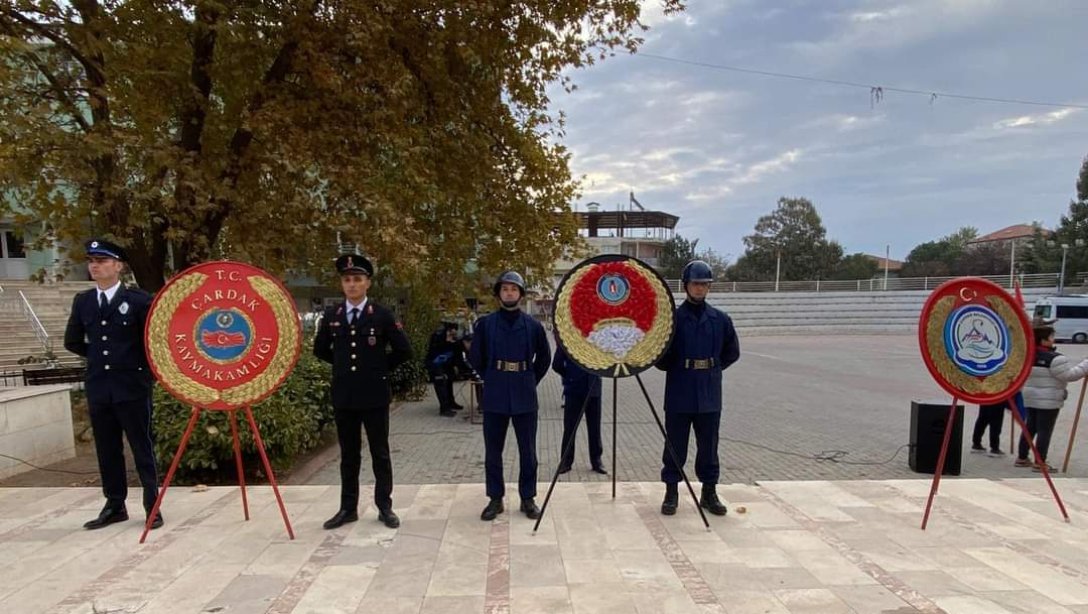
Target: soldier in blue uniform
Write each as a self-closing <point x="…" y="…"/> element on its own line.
<point x="107" y="328"/>
<point x="510" y="351"/>
<point x="364" y="343"/>
<point x="705" y="344"/>
<point x="579" y="387"/>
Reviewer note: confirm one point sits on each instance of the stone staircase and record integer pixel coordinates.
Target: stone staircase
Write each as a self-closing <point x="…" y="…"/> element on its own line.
<point x="52" y="304"/>
<point x="807" y="313"/>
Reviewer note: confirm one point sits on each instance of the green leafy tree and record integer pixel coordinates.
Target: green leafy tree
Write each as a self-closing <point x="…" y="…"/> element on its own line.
<point x="856" y="266"/>
<point x="938" y="258"/>
<point x="718" y="263"/>
<point x="984" y="259"/>
<point x="675" y="253"/>
<point x="262" y="131"/>
<point x="795" y="233"/>
<point x="1044" y="255"/>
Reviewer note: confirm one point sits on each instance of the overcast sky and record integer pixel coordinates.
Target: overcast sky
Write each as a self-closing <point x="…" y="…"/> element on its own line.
<point x="718" y="148"/>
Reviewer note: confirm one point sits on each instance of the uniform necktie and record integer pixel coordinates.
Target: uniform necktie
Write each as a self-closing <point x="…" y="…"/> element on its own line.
<point x="354" y="315"/>
<point x="103" y="302"/>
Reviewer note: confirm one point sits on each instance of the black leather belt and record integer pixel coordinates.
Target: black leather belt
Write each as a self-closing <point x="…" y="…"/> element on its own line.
<point x="700" y="363"/>
<point x="513" y="367"/>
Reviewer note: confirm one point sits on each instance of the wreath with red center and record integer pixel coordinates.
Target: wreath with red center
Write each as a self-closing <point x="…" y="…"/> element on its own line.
<point x="614" y="315"/>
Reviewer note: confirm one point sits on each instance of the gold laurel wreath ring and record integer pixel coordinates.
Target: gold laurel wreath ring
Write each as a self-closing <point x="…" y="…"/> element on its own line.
<point x="643" y="354"/>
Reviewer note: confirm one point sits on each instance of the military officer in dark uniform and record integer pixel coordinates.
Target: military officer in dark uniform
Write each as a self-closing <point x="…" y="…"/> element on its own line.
<point x="510" y="351"/>
<point x="705" y="344"/>
<point x="579" y="387"/>
<point x="364" y="343"/>
<point x="107" y="328"/>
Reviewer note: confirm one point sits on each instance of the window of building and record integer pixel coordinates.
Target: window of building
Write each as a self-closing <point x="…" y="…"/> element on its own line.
<point x="13" y="245"/>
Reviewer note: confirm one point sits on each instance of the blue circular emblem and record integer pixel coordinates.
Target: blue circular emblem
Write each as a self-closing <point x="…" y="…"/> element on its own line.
<point x="223" y="335"/>
<point x="976" y="340"/>
<point x="613" y="289"/>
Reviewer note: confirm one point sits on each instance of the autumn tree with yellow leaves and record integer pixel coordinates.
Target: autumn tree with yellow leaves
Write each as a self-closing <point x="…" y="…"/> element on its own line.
<point x="260" y="130"/>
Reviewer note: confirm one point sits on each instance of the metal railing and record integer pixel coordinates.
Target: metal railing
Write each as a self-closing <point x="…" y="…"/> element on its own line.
<point x="879" y="284"/>
<point x="35" y="323"/>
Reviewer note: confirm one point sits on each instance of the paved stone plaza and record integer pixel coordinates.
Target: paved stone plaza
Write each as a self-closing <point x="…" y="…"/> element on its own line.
<point x="992" y="547"/>
<point x="789" y="402"/>
<point x="824" y="518"/>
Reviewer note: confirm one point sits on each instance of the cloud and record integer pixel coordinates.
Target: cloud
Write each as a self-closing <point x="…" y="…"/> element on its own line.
<point x="652" y="14"/>
<point x="853" y="31"/>
<point x="718" y="148"/>
<point x="746" y="175"/>
<point x="846" y="122"/>
<point x="1044" y="119"/>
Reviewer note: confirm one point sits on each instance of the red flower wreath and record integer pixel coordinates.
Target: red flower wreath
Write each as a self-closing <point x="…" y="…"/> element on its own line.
<point x="588" y="308"/>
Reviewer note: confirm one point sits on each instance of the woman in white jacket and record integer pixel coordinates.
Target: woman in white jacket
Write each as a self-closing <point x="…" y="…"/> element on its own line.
<point x="1045" y="393"/>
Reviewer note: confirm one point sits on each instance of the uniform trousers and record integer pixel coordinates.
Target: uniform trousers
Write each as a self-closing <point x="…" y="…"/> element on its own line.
<point x="572" y="409"/>
<point x="678" y="427"/>
<point x="133" y="420"/>
<point x="349" y="426"/>
<point x="495" y="429"/>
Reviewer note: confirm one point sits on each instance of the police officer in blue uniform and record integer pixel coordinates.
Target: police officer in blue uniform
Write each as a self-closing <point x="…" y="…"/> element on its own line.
<point x="579" y="387"/>
<point x="106" y="327"/>
<point x="510" y="351"/>
<point x="704" y="344"/>
<point x="364" y="343"/>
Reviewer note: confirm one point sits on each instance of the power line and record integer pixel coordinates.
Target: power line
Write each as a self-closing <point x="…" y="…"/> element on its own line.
<point x="876" y="92"/>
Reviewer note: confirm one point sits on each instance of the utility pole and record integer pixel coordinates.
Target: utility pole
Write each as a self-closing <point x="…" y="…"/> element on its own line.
<point x="887" y="258"/>
<point x="777" y="267"/>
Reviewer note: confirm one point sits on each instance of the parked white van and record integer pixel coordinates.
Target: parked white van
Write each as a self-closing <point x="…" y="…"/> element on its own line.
<point x="1068" y="315"/>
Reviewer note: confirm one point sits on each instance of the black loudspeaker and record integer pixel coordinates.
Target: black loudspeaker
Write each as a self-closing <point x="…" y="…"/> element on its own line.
<point x="927" y="424"/>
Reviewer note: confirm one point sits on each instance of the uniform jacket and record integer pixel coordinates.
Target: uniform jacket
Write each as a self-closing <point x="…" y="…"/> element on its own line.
<point x="698" y="337"/>
<point x="113" y="344"/>
<point x="1045" y="386"/>
<point x="362" y="354"/>
<point x="523" y="341"/>
<point x="577" y="382"/>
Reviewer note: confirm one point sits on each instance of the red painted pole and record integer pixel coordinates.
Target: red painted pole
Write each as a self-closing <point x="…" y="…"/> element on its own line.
<point x="170" y="474"/>
<point x="940" y="460"/>
<point x="1076" y="423"/>
<point x="238" y="461"/>
<point x="268" y="470"/>
<point x="1029" y="437"/>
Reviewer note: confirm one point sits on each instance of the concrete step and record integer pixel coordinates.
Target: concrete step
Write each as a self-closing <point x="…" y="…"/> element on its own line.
<point x="854" y="329"/>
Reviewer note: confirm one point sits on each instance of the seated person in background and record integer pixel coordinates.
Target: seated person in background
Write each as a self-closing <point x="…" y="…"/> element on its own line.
<point x="442" y="352"/>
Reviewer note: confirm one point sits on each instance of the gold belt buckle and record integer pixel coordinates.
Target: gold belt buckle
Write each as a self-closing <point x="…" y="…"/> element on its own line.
<point x="701" y="363"/>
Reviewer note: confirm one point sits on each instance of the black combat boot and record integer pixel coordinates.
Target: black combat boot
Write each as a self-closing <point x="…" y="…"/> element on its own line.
<point x="710" y="501"/>
<point x="672" y="499"/>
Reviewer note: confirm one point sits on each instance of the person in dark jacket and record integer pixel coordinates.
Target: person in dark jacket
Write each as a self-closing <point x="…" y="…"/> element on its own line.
<point x="510" y="351"/>
<point x="704" y="345"/>
<point x="106" y="327"/>
<point x="444" y="351"/>
<point x="364" y="343"/>
<point x="580" y="387"/>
